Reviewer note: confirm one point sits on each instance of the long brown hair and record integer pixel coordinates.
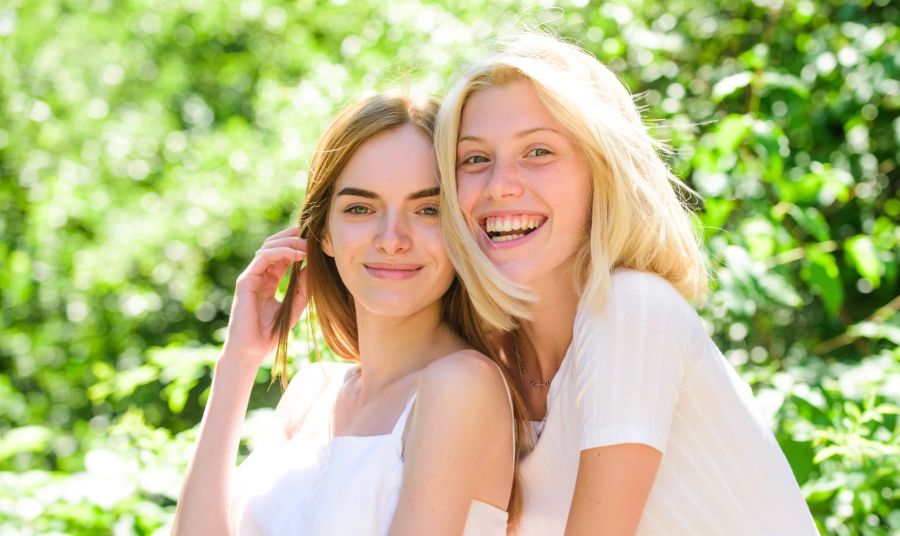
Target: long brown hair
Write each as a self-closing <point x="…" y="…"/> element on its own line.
<point x="327" y="296"/>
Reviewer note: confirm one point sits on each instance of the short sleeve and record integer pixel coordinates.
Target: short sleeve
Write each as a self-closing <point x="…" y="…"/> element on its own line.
<point x="630" y="362"/>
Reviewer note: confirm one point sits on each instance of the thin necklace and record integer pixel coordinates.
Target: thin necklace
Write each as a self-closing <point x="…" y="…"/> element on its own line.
<point x="524" y="374"/>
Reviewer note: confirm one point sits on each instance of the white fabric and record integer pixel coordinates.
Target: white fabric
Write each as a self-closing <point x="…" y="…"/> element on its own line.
<point x="316" y="484"/>
<point x="645" y="371"/>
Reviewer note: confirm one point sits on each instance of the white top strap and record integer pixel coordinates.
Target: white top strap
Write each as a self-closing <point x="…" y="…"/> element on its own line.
<point x="401" y="421"/>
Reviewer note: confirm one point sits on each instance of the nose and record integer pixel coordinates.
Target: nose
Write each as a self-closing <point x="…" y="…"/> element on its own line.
<point x="393" y="235"/>
<point x="503" y="181"/>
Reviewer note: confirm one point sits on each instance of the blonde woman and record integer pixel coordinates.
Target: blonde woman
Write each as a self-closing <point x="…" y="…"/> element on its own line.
<point x="568" y="230"/>
<point x="415" y="437"/>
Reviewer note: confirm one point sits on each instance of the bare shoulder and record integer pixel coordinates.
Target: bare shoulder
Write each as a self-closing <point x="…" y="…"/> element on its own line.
<point x="463" y="370"/>
<point x="464" y="386"/>
<point x="461" y="399"/>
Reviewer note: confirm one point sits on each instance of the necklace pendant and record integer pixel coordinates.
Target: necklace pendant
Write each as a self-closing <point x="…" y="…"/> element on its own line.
<point x="540" y="384"/>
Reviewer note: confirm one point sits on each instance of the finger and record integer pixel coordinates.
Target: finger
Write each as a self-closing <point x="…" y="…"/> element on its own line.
<point x="269" y="256"/>
<point x="293" y="230"/>
<point x="275" y="272"/>
<point x="287" y="242"/>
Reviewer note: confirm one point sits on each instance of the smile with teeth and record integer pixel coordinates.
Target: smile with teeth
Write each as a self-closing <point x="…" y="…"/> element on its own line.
<point x="505" y="228"/>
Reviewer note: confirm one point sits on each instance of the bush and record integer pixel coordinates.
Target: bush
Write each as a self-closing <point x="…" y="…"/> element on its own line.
<point x="147" y="148"/>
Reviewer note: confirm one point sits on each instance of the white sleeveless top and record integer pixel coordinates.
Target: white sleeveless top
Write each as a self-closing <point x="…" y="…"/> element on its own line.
<point x="316" y="484"/>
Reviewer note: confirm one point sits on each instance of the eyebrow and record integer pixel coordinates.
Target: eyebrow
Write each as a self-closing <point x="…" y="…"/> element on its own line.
<point x="520" y="134"/>
<point x="359" y="192"/>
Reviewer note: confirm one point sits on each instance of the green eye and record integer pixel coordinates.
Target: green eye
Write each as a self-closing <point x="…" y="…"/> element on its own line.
<point x="477" y="159"/>
<point x="357" y="210"/>
<point x="539" y="151"/>
<point x="429" y="211"/>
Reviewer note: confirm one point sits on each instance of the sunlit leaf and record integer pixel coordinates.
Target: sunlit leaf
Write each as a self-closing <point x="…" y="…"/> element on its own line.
<point x="864" y="256"/>
<point x="823" y="276"/>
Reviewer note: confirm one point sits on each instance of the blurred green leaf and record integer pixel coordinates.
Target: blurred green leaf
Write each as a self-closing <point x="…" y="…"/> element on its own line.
<point x="865" y="258"/>
<point x="730" y="84"/>
<point x="824" y="279"/>
<point x="24" y="439"/>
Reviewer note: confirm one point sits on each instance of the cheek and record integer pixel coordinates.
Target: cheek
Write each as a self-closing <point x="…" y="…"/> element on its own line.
<point x="576" y="194"/>
<point x="346" y="242"/>
<point x="434" y="242"/>
<point x="469" y="191"/>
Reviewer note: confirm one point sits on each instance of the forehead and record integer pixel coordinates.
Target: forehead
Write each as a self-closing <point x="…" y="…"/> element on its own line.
<point x="393" y="163"/>
<point x="502" y="109"/>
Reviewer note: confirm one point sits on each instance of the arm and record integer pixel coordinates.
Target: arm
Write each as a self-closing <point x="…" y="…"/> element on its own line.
<point x="203" y="502"/>
<point x="611" y="489"/>
<point x="460" y="433"/>
<point x="631" y="364"/>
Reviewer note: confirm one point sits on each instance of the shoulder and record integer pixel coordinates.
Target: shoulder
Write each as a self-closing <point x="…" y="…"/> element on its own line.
<point x="626" y="283"/>
<point x="463" y="372"/>
<point x="461" y="406"/>
<point x="464" y="364"/>
<point x="635" y="298"/>
<point x="464" y="379"/>
<point x="639" y="308"/>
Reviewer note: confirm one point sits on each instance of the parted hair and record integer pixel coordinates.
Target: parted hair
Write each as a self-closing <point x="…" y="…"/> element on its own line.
<point x="327" y="295"/>
<point x="640" y="218"/>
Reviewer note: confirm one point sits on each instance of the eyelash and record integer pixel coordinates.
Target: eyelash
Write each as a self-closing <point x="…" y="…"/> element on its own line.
<point x="469" y="160"/>
<point x="433" y="208"/>
<point x="352" y="210"/>
<point x="529" y="153"/>
<point x="546" y="151"/>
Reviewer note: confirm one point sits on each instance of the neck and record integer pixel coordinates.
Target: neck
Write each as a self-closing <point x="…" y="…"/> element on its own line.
<point x="390" y="348"/>
<point x="549" y="332"/>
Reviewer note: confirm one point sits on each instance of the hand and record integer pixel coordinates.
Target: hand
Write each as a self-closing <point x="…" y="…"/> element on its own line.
<point x="254" y="308"/>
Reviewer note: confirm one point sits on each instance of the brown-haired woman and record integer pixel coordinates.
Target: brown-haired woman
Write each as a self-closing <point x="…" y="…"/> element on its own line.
<point x="349" y="455"/>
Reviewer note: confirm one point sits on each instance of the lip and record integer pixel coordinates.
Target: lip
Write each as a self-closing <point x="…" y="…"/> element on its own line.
<point x="391" y="271"/>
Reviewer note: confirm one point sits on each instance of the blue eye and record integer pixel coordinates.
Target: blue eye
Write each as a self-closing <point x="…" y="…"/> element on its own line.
<point x="357" y="210"/>
<point x="539" y="151"/>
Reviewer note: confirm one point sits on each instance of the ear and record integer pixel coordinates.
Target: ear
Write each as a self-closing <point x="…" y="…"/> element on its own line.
<point x="326" y="245"/>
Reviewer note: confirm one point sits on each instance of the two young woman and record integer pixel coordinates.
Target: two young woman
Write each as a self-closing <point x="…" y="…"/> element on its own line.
<point x="567" y="230"/>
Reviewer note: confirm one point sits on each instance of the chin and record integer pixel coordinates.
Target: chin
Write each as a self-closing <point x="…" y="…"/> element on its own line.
<point x="517" y="273"/>
<point x="396" y="305"/>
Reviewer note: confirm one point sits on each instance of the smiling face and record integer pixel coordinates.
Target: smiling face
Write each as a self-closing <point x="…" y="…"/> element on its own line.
<point x="383" y="228"/>
<point x="523" y="186"/>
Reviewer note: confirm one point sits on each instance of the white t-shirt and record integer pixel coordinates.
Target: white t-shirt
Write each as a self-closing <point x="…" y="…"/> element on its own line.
<point x="645" y="371"/>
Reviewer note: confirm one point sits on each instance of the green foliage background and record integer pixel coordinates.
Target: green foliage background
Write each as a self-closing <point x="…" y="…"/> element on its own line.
<point x="146" y="148"/>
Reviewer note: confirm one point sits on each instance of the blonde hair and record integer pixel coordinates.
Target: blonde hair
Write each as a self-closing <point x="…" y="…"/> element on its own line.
<point x="639" y="217"/>
<point x="327" y="295"/>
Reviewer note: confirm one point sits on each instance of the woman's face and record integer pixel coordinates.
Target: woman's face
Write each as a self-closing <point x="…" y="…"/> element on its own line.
<point x="524" y="187"/>
<point x="383" y="228"/>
